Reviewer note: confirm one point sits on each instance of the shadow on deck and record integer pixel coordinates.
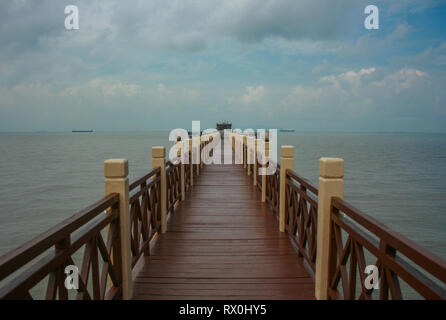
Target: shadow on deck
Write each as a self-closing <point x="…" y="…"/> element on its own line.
<point x="223" y="243"/>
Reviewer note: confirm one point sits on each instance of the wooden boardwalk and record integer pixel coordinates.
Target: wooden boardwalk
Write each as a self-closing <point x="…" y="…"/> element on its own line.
<point x="223" y="243"/>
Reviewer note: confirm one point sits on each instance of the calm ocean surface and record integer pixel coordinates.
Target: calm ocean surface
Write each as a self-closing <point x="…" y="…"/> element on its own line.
<point x="400" y="179"/>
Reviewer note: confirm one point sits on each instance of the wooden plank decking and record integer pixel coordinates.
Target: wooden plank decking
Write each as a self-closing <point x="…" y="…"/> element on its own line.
<point x="223" y="243"/>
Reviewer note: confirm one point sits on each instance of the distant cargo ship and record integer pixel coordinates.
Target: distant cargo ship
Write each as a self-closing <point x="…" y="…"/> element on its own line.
<point x="287" y="130"/>
<point x="82" y="131"/>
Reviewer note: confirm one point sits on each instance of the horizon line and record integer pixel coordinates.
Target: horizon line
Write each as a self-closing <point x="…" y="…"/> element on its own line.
<point x="168" y="130"/>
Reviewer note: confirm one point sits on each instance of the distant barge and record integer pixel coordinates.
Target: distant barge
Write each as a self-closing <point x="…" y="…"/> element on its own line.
<point x="82" y="131"/>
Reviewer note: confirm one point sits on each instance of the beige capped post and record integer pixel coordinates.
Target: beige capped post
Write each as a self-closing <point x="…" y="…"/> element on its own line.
<point x="331" y="184"/>
<point x="159" y="160"/>
<point x="286" y="162"/>
<point x="266" y="155"/>
<point x="116" y="181"/>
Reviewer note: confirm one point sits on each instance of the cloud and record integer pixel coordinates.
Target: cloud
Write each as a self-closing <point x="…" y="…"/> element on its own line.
<point x="179" y="25"/>
<point x="354" y="78"/>
<point x="250" y="21"/>
<point x="413" y="6"/>
<point x="149" y="59"/>
<point x="356" y="94"/>
<point x="375" y="44"/>
<point x="253" y="94"/>
<point x="433" y="56"/>
<point x="110" y="89"/>
<point x="403" y="79"/>
<point x="350" y="77"/>
<point x="401" y="31"/>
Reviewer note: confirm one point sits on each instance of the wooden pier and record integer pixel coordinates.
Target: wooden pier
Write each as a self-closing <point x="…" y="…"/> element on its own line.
<point x="223" y="243"/>
<point x="252" y="229"/>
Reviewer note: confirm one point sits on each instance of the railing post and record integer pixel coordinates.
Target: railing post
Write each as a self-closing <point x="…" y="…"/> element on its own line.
<point x="286" y="162"/>
<point x="116" y="181"/>
<point x="237" y="148"/>
<point x="205" y="143"/>
<point x="196" y="142"/>
<point x="331" y="184"/>
<point x="241" y="149"/>
<point x="182" y="177"/>
<point x="199" y="156"/>
<point x="257" y="145"/>
<point x="191" y="165"/>
<point x="249" y="146"/>
<point x="245" y="144"/>
<point x="266" y="154"/>
<point x="159" y="160"/>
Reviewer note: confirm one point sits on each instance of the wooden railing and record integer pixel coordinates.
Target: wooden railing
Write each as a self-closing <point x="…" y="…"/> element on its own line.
<point x="99" y="271"/>
<point x="195" y="166"/>
<point x="356" y="240"/>
<point x="187" y="182"/>
<point x="259" y="176"/>
<point x="301" y="215"/>
<point x="173" y="179"/>
<point x="272" y="190"/>
<point x="396" y="258"/>
<point x="145" y="213"/>
<point x="96" y="234"/>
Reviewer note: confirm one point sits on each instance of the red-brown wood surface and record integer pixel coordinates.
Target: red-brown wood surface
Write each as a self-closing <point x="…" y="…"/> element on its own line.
<point x="223" y="243"/>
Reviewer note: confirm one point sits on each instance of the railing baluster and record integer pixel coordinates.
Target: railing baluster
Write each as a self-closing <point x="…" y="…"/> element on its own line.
<point x="286" y="162"/>
<point x="266" y="153"/>
<point x="159" y="160"/>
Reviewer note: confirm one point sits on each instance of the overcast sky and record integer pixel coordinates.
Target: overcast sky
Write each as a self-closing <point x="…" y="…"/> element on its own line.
<point x="147" y="65"/>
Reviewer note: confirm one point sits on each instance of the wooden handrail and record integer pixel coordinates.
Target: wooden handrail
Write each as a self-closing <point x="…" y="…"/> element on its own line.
<point x="144" y="178"/>
<point x="145" y="213"/>
<point x="386" y="245"/>
<point x="173" y="186"/>
<point x="272" y="191"/>
<point x="65" y="245"/>
<point x="17" y="258"/>
<point x="301" y="216"/>
<point x="302" y="181"/>
<point x="418" y="254"/>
